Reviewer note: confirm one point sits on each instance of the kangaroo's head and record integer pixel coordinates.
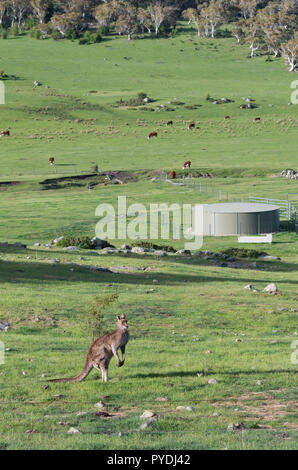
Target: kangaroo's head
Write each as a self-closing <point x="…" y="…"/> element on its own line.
<point x="122" y="322"/>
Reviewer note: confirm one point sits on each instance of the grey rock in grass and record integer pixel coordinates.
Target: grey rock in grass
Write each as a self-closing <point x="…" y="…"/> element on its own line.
<point x="212" y="381"/>
<point x="248" y="287"/>
<point x="235" y="427"/>
<point x="71" y="248"/>
<point x="4" y="326"/>
<point x="73" y="431"/>
<point x="160" y="253"/>
<point x="148" y="414"/>
<point x="183" y="252"/>
<point x="271" y="288"/>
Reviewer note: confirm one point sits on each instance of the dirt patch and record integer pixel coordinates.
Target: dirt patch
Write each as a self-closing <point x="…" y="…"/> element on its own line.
<point x="264" y="407"/>
<point x="106" y="415"/>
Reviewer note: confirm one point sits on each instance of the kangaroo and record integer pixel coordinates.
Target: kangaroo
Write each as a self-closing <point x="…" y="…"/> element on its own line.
<point x="102" y="350"/>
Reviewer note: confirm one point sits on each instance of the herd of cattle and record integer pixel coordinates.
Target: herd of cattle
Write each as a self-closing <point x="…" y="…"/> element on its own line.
<point x="187" y="164"/>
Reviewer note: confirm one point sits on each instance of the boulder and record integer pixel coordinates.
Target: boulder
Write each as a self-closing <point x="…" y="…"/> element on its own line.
<point x="271" y="288"/>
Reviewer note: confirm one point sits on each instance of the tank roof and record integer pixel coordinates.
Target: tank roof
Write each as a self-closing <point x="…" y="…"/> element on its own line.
<point x="237" y="207"/>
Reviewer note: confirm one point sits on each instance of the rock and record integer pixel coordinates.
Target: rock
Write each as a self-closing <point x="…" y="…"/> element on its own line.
<point x="82" y="413"/>
<point x="235" y="427"/>
<point x="162" y="399"/>
<point x="139" y="249"/>
<point x="271" y="288"/>
<point x="258" y="382"/>
<point x="148" y="414"/>
<point x="146" y="425"/>
<point x="56" y="240"/>
<point x="238" y="340"/>
<point x="4" y="326"/>
<point x="73" y="431"/>
<point x="216" y="414"/>
<point x="125" y="247"/>
<point x="36" y="83"/>
<point x="100" y="405"/>
<point x="71" y="248"/>
<point x="248" y="287"/>
<point x="37" y="244"/>
<point x="160" y="253"/>
<point x="183" y="252"/>
<point x="184" y="408"/>
<point x="269" y="257"/>
<point x="212" y="381"/>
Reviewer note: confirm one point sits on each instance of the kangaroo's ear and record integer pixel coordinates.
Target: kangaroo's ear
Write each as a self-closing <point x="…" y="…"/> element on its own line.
<point x="118" y="317"/>
<point x="123" y="316"/>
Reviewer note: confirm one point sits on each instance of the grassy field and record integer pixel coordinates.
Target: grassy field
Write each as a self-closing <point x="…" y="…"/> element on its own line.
<point x="190" y="319"/>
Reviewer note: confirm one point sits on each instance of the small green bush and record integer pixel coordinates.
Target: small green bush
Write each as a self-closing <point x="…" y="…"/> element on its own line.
<point x="15" y="29"/>
<point x="152" y="246"/>
<point x="95" y="316"/>
<point x="4" y="33"/>
<point x="243" y="253"/>
<point x="142" y="95"/>
<point x="56" y="35"/>
<point x="81" y="242"/>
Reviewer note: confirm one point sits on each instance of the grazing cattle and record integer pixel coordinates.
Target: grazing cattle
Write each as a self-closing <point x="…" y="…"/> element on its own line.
<point x="52" y="161"/>
<point x="191" y="126"/>
<point x="5" y="133"/>
<point x="173" y="174"/>
<point x="227" y="117"/>
<point x="257" y="119"/>
<point x="170" y="123"/>
<point x="186" y="165"/>
<point x="152" y="134"/>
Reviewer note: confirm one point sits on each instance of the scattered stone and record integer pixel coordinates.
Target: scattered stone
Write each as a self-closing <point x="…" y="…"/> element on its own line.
<point x="238" y="340"/>
<point x="37" y="244"/>
<point x="269" y="257"/>
<point x="99" y="405"/>
<point x="235" y="427"/>
<point x="73" y="431"/>
<point x="46" y="387"/>
<point x="216" y="414"/>
<point x="212" y="381"/>
<point x="71" y="248"/>
<point x="162" y="399"/>
<point x="4" y="326"/>
<point x="148" y="414"/>
<point x="24" y="372"/>
<point x="248" y="287"/>
<point x="82" y="413"/>
<point x="271" y="288"/>
<point x="184" y="408"/>
<point x="62" y="423"/>
<point x="258" y="382"/>
<point x="183" y="252"/>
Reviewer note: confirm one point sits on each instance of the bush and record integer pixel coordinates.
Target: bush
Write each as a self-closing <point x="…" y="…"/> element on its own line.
<point x="15" y="30"/>
<point x="81" y="242"/>
<point x="83" y="41"/>
<point x="95" y="317"/>
<point x="152" y="246"/>
<point x="4" y="33"/>
<point x="56" y="35"/>
<point x="104" y="30"/>
<point x="243" y="253"/>
<point x="142" y="95"/>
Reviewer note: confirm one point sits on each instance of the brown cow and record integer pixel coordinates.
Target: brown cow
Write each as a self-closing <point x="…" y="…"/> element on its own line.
<point x="52" y="161"/>
<point x="191" y="126"/>
<point x="186" y="165"/>
<point x="173" y="174"/>
<point x="227" y="117"/>
<point x="170" y="123"/>
<point x="152" y="134"/>
<point x="257" y="119"/>
<point x="5" y="133"/>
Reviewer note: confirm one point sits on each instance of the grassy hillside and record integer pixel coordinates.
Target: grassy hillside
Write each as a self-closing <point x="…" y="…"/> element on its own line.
<point x="190" y="318"/>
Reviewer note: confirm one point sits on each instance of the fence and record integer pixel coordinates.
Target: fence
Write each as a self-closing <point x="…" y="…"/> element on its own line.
<point x="288" y="210"/>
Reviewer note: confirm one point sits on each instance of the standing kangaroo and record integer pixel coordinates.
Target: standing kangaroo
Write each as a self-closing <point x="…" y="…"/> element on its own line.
<point x="102" y="350"/>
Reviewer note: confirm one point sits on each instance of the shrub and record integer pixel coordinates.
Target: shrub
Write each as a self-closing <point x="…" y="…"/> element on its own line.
<point x="4" y="33"/>
<point x="15" y="29"/>
<point x="56" y="35"/>
<point x="83" y="41"/>
<point x="104" y="30"/>
<point x="81" y="242"/>
<point x="95" y="316"/>
<point x="142" y="95"/>
<point x="152" y="246"/>
<point x="243" y="253"/>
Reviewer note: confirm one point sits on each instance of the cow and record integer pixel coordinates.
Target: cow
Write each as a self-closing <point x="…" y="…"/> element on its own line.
<point x="5" y="133"/>
<point x="227" y="117"/>
<point x="173" y="174"/>
<point x="52" y="161"/>
<point x="186" y="165"/>
<point x="170" y="123"/>
<point x="257" y="119"/>
<point x="152" y="134"/>
<point x="191" y="126"/>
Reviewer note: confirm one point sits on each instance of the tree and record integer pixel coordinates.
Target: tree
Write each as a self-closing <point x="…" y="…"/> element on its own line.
<point x="127" y="22"/>
<point x="237" y="32"/>
<point x="144" y="18"/>
<point x="248" y="8"/>
<point x="19" y="8"/>
<point x="66" y="23"/>
<point x="107" y="13"/>
<point x="213" y="15"/>
<point x="158" y="14"/>
<point x="3" y="10"/>
<point x="193" y="16"/>
<point x="290" y="53"/>
<point x="39" y="8"/>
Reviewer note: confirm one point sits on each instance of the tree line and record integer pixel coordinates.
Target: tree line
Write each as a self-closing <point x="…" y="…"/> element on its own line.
<point x="261" y="24"/>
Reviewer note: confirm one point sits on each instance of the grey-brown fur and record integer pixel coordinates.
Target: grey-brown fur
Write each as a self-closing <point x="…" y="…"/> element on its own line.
<point x="102" y="351"/>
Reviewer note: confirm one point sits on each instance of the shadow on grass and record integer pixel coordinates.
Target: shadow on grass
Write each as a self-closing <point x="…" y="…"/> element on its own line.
<point x="35" y="272"/>
<point x="210" y="372"/>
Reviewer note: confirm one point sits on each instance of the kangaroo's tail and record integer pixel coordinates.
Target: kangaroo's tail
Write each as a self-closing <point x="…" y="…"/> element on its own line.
<point x="87" y="369"/>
